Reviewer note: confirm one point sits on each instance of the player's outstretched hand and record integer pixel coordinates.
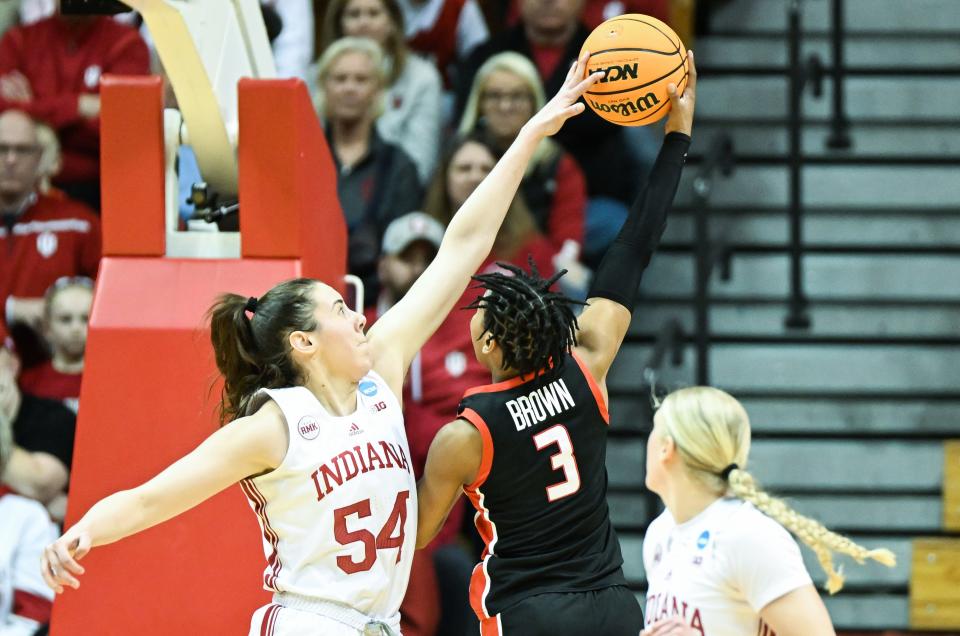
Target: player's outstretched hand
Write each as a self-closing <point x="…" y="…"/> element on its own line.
<point x="681" y="106"/>
<point x="564" y="104"/>
<point x="673" y="626"/>
<point x="58" y="565"/>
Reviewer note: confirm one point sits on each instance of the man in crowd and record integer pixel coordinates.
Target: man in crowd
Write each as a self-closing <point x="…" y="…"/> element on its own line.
<point x="43" y="237"/>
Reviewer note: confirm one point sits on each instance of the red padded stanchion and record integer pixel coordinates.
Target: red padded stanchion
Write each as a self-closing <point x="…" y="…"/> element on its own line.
<point x="148" y="393"/>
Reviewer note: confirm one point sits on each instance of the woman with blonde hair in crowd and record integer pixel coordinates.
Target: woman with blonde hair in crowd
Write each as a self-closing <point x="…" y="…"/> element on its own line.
<point x="376" y="180"/>
<point x="412" y="111"/>
<point x="506" y="92"/>
<point x="721" y="550"/>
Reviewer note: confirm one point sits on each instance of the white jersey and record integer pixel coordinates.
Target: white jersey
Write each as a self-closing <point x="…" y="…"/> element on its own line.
<point x="719" y="569"/>
<point x="339" y="514"/>
<point x="25" y="600"/>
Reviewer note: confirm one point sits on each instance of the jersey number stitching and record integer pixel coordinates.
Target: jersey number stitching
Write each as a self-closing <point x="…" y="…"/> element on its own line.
<point x="565" y="459"/>
<point x="384" y="539"/>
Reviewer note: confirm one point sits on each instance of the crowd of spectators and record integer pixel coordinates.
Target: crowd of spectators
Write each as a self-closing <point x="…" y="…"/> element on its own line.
<point x="417" y="98"/>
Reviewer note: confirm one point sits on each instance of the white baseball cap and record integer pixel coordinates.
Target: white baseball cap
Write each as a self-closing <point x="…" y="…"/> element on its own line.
<point x="415" y="226"/>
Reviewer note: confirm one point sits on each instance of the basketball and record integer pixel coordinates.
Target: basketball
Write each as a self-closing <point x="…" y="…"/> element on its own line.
<point x="640" y="57"/>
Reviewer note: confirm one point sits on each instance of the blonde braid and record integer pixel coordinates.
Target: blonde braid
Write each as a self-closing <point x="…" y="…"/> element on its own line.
<point x="822" y="541"/>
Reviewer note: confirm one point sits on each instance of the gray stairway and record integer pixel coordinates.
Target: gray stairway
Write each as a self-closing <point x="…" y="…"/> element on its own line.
<point x="850" y="415"/>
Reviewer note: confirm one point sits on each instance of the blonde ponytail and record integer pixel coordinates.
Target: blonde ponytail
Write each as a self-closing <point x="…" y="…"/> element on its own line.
<point x="822" y="541"/>
<point x="711" y="431"/>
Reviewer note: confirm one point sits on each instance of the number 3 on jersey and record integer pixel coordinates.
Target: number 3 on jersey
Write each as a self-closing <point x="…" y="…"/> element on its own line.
<point x="385" y="538"/>
<point x="564" y="459"/>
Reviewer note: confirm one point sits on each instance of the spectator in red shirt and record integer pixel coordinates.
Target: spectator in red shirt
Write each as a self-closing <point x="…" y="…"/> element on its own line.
<point x="66" y="312"/>
<point x="52" y="68"/>
<point x="43" y="237"/>
<point x="506" y="93"/>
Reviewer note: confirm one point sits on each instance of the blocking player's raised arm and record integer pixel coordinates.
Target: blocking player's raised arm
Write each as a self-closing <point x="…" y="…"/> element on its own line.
<point x="401" y="332"/>
<point x="612" y="296"/>
<point x="452" y="463"/>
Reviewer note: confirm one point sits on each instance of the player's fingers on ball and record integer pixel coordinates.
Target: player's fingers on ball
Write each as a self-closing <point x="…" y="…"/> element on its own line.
<point x="589" y="81"/>
<point x="692" y="71"/>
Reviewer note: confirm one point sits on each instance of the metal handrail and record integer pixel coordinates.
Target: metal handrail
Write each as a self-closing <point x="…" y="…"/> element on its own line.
<point x="709" y="251"/>
<point x="797" y="317"/>
<point x="839" y="122"/>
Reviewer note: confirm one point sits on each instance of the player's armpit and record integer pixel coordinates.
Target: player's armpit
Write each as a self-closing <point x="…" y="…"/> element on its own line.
<point x="452" y="462"/>
<point x="798" y="613"/>
<point x="602" y="328"/>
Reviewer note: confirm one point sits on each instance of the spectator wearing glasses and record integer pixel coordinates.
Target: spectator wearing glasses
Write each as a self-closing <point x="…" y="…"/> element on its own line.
<point x="44" y="237"/>
<point x="505" y="94"/>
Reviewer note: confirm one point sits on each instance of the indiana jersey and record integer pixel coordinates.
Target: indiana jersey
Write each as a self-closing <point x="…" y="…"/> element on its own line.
<point x="540" y="493"/>
<point x="339" y="513"/>
<point x="719" y="569"/>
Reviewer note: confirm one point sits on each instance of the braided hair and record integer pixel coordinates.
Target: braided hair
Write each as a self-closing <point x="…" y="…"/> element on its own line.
<point x="532" y="325"/>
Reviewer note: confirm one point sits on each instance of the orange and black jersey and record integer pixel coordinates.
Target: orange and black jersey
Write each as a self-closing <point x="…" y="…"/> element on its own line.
<point x="540" y="493"/>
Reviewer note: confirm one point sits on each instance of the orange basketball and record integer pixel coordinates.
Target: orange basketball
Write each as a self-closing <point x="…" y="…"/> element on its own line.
<point x="640" y="56"/>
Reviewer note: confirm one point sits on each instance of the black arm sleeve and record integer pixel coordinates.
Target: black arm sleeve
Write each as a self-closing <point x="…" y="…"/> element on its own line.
<point x="618" y="277"/>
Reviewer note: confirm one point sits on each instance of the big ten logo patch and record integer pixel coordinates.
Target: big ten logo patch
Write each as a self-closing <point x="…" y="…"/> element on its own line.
<point x="379" y="406"/>
<point x="368" y="388"/>
<point x="308" y="427"/>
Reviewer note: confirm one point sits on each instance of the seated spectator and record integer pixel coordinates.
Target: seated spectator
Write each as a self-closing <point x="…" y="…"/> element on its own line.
<point x="376" y="180"/>
<point x="469" y="160"/>
<point x="445" y="31"/>
<point x="506" y="93"/>
<point x="66" y="313"/>
<point x="412" y="112"/>
<point x="440" y="373"/>
<point x="597" y="11"/>
<point x="550" y="34"/>
<point x="38" y="466"/>
<point x="43" y="237"/>
<point x="61" y="86"/>
<point x="25" y="600"/>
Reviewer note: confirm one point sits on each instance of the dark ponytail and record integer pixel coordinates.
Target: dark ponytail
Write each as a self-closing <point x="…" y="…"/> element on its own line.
<point x="252" y="350"/>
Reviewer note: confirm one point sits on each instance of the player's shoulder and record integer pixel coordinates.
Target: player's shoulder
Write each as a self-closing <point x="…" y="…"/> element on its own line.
<point x="660" y="525"/>
<point x="747" y="527"/>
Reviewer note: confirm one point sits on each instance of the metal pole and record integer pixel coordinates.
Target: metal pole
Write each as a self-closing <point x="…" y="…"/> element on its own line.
<point x="839" y="124"/>
<point x="701" y="188"/>
<point x="796" y="316"/>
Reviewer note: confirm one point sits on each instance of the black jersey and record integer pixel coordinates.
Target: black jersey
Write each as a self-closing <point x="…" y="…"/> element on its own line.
<point x="540" y="493"/>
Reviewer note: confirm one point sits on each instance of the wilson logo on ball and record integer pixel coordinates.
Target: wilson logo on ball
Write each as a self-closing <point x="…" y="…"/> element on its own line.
<point x="642" y="103"/>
